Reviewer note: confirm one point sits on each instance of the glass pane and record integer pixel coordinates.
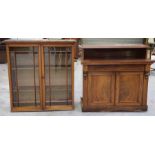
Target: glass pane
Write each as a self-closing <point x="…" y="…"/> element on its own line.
<point x="58" y="75"/>
<point x="25" y="76"/>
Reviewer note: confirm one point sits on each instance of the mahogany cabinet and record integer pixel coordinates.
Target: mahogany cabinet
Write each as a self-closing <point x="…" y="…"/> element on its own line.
<point x="2" y="54"/>
<point x="3" y="58"/>
<point x="41" y="74"/>
<point x="115" y="77"/>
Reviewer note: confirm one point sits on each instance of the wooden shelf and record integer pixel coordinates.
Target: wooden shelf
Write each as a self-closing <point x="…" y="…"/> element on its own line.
<point x="46" y="66"/>
<point x="26" y="88"/>
<point x="55" y="52"/>
<point x="57" y="87"/>
<point x="60" y="101"/>
<point x="27" y="103"/>
<point x="31" y="88"/>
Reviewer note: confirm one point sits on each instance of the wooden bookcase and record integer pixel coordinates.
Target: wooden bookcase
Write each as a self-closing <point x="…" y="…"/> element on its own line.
<point x="3" y="57"/>
<point x="2" y="54"/>
<point x="41" y="74"/>
<point x="115" y="77"/>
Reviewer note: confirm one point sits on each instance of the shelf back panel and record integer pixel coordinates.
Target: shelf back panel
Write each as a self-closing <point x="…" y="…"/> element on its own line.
<point x="103" y="41"/>
<point x="108" y="54"/>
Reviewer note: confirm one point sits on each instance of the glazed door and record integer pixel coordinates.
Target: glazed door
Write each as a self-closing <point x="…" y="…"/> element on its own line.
<point x="25" y="81"/>
<point x="129" y="88"/>
<point x="100" y="89"/>
<point x="57" y="66"/>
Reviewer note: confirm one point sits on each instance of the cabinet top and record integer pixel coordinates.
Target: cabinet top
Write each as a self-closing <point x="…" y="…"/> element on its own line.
<point x="114" y="46"/>
<point x="118" y="62"/>
<point x="37" y="41"/>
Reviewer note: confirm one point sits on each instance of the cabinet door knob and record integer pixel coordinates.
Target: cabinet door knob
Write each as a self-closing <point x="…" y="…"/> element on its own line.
<point x="85" y="75"/>
<point x="147" y="74"/>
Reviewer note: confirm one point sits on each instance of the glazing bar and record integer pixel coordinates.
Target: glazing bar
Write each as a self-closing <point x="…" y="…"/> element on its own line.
<point x="17" y="88"/>
<point x="34" y="68"/>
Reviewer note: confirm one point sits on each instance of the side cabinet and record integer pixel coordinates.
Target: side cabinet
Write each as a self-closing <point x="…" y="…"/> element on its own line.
<point x="2" y="54"/>
<point x="114" y="90"/>
<point x="115" y="74"/>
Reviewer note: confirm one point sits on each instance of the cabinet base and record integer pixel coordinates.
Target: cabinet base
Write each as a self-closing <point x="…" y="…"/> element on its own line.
<point x="40" y="109"/>
<point x="113" y="108"/>
<point x="59" y="108"/>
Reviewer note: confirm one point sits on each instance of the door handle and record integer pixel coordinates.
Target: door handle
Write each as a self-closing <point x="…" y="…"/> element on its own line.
<point x="85" y="75"/>
<point x="147" y="74"/>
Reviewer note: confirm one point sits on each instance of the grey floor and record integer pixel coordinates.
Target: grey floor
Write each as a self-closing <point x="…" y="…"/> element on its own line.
<point x="5" y="103"/>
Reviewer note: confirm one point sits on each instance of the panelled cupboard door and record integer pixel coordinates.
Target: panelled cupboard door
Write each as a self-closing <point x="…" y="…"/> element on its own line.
<point x="25" y="78"/>
<point x="129" y="88"/>
<point x="101" y="89"/>
<point x="57" y="66"/>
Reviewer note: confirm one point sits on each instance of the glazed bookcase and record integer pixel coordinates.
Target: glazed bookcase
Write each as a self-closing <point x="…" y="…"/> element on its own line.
<point x="41" y="74"/>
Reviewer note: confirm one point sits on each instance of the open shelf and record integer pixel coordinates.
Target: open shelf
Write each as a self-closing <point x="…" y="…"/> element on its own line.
<point x="113" y="54"/>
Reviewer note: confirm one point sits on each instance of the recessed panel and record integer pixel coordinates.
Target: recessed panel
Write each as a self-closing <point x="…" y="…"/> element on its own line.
<point x="129" y="88"/>
<point x="101" y="88"/>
